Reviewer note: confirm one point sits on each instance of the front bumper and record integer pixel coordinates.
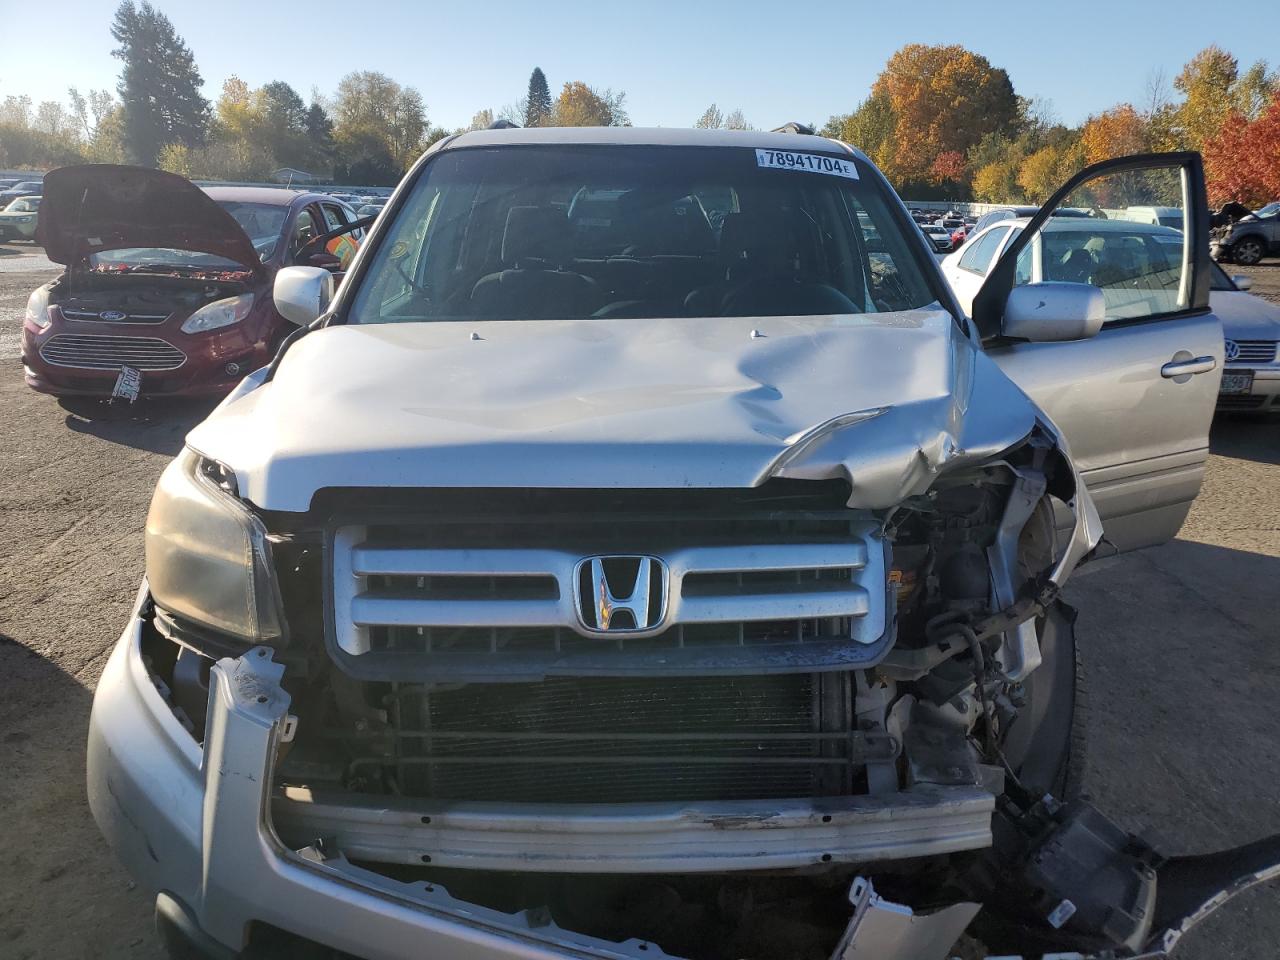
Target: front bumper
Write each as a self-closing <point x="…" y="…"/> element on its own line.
<point x="1264" y="397"/>
<point x="193" y="824"/>
<point x="203" y="372"/>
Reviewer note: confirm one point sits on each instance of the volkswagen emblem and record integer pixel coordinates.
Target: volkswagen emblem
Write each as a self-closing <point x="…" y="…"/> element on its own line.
<point x="1232" y="351"/>
<point x="111" y="316"/>
<point x="618" y="595"/>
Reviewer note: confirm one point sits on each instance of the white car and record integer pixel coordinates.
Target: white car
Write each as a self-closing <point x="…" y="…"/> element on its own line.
<point x="1127" y="259"/>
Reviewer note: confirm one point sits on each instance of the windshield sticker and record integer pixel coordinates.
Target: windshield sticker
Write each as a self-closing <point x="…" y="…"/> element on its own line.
<point x="806" y="163"/>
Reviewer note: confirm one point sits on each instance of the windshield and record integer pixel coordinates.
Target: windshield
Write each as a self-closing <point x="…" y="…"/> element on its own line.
<point x="25" y="205"/>
<point x="263" y="222"/>
<point x="1268" y="210"/>
<point x="624" y="231"/>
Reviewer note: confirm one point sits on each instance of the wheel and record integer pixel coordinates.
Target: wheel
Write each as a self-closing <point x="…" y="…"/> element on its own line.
<point x="1247" y="251"/>
<point x="1045" y="744"/>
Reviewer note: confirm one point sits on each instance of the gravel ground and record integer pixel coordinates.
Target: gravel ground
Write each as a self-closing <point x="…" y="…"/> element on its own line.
<point x="1180" y="646"/>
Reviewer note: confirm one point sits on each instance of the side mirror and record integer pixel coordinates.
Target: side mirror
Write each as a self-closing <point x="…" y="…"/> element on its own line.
<point x="1053" y="312"/>
<point x="1242" y="282"/>
<point x="302" y="293"/>
<point x="326" y="261"/>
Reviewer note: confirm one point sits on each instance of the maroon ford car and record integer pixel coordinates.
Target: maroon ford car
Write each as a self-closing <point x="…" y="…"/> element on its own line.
<point x="167" y="287"/>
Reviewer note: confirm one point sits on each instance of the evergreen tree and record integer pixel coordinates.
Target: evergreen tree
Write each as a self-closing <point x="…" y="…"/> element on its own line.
<point x="159" y="84"/>
<point x="537" y="109"/>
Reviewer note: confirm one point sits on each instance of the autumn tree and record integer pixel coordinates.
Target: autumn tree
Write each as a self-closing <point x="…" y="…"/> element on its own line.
<point x="1117" y="132"/>
<point x="537" y="103"/>
<point x="582" y="106"/>
<point x="943" y="99"/>
<point x="159" y="83"/>
<point x="379" y="126"/>
<point x="869" y="128"/>
<point x="481" y="120"/>
<point x="1242" y="160"/>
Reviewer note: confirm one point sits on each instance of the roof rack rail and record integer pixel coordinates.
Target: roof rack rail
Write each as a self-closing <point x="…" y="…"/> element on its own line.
<point x="503" y="125"/>
<point x="793" y="127"/>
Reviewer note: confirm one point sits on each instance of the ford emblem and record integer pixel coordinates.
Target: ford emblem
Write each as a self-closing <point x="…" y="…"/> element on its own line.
<point x="112" y="315"/>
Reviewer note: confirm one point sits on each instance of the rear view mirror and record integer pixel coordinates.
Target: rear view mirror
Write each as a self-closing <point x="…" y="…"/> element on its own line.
<point x="1050" y="312"/>
<point x="302" y="293"/>
<point x="1242" y="282"/>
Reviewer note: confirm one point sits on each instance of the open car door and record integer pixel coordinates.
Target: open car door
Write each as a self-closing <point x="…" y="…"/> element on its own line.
<point x="1105" y="323"/>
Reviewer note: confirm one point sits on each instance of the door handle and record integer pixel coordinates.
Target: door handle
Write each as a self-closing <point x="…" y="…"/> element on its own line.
<point x="1185" y="368"/>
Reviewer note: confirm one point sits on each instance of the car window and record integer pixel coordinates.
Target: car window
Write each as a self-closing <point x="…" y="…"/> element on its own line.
<point x="263" y="222"/>
<point x="333" y="216"/>
<point x="304" y="230"/>
<point x="606" y="231"/>
<point x="1139" y="267"/>
<point x="978" y="256"/>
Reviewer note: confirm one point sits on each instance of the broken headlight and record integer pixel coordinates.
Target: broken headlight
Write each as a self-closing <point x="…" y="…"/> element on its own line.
<point x="220" y="313"/>
<point x="208" y="559"/>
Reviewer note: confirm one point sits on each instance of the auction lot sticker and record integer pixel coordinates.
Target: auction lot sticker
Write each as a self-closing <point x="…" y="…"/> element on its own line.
<point x="806" y="163"/>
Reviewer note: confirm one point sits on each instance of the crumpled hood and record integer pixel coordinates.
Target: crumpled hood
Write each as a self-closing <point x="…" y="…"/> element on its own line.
<point x="1244" y="316"/>
<point x="107" y="206"/>
<point x="884" y="401"/>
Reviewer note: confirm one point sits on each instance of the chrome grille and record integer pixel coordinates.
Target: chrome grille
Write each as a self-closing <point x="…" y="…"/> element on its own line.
<point x="113" y="316"/>
<point x="93" y="352"/>
<point x="1254" y="351"/>
<point x="793" y="596"/>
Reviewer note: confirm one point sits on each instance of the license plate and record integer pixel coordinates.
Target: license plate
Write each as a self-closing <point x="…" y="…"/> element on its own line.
<point x="1236" y="382"/>
<point x="128" y="385"/>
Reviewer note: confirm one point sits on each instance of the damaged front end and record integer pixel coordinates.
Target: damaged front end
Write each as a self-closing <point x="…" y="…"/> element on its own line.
<point x="800" y="729"/>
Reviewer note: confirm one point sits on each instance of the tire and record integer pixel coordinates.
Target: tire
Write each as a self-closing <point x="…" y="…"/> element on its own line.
<point x="1045" y="744"/>
<point x="1247" y="251"/>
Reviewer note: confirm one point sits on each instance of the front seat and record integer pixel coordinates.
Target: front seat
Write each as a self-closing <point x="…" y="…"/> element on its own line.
<point x="533" y="284"/>
<point x="752" y="246"/>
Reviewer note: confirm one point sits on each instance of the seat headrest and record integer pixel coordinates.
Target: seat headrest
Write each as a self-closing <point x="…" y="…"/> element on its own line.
<point x="535" y="233"/>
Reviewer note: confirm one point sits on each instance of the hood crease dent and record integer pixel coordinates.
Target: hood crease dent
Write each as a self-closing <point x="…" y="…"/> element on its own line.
<point x="882" y="401"/>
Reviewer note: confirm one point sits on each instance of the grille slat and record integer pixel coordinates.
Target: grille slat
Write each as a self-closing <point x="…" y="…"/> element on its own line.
<point x="1254" y="351"/>
<point x="93" y="352"/>
<point x="95" y="316"/>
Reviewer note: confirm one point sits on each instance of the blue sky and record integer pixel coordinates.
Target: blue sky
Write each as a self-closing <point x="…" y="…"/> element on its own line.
<point x="778" y="61"/>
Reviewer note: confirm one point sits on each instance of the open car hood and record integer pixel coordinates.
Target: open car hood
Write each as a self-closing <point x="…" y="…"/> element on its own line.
<point x="883" y="401"/>
<point x="105" y="206"/>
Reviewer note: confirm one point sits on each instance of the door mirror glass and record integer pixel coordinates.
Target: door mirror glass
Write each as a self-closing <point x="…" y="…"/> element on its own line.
<point x="1241" y="281"/>
<point x="302" y="293"/>
<point x="1121" y="228"/>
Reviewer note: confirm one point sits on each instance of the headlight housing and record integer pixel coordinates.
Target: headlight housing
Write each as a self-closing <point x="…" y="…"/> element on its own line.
<point x="220" y="313"/>
<point x="38" y="308"/>
<point x="208" y="558"/>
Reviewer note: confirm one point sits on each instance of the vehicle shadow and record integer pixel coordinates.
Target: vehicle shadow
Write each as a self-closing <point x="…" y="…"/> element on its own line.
<point x="1246" y="438"/>
<point x="157" y="426"/>
<point x="72" y="900"/>
<point x="1180" y="668"/>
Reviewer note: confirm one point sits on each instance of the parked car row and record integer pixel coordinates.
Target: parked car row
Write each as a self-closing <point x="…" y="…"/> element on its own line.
<point x="1249" y="239"/>
<point x="1127" y="259"/>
